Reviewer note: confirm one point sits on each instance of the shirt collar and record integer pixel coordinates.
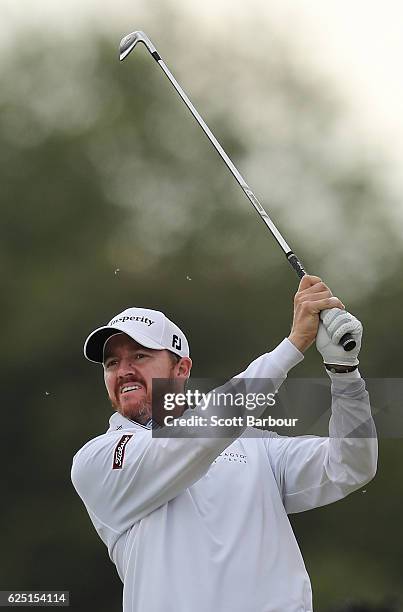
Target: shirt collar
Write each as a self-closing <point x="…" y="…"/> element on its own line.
<point x="118" y="421"/>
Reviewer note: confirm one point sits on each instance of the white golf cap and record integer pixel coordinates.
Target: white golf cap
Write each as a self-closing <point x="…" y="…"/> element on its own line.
<point x="150" y="328"/>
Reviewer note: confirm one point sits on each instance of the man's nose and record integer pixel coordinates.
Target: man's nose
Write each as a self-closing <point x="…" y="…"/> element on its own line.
<point x="126" y="367"/>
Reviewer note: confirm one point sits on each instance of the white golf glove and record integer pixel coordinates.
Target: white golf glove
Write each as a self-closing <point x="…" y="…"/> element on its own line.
<point x="334" y="324"/>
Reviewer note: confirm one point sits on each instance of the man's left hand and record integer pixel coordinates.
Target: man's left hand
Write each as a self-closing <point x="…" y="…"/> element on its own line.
<point x="335" y="323"/>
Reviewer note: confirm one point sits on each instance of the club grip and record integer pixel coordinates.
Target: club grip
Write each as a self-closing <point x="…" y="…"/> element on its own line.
<point x="296" y="264"/>
<point x="347" y="341"/>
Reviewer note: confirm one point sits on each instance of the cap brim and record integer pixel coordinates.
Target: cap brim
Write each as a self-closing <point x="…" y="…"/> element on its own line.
<point x="94" y="345"/>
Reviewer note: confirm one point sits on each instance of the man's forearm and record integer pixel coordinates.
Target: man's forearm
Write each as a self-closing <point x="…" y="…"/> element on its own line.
<point x="353" y="442"/>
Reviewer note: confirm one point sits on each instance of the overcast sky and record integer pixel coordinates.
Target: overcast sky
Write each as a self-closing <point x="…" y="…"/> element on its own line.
<point x="357" y="43"/>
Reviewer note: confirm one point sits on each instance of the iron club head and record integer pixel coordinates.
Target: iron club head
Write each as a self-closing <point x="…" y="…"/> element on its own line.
<point x="128" y="43"/>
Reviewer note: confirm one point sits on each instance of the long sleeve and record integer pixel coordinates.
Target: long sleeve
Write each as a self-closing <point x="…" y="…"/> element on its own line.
<point x="312" y="471"/>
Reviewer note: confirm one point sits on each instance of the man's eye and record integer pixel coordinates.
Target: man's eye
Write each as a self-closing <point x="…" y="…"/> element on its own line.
<point x="110" y="363"/>
<point x="140" y="355"/>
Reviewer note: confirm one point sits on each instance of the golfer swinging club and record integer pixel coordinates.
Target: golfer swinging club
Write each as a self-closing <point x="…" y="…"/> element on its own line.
<point x="188" y="530"/>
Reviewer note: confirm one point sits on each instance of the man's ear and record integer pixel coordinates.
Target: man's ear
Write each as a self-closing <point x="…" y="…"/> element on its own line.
<point x="183" y="367"/>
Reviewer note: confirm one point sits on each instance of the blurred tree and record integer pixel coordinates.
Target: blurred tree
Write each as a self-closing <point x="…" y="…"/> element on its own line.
<point x="387" y="606"/>
<point x="111" y="197"/>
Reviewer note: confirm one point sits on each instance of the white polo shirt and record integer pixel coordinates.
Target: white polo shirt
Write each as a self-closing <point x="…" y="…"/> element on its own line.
<point x="200" y="525"/>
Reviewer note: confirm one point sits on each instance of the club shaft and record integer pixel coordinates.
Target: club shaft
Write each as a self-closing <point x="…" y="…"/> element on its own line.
<point x="230" y="165"/>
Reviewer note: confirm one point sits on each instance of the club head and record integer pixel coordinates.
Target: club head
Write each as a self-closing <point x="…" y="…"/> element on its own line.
<point x="128" y="43"/>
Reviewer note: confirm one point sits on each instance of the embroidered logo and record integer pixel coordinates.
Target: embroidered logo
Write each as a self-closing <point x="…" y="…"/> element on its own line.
<point x="145" y="320"/>
<point x="119" y="453"/>
<point x="231" y="457"/>
<point x="176" y="342"/>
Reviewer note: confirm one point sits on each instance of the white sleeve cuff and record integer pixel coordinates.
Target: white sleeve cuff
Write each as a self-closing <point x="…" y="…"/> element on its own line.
<point x="286" y="355"/>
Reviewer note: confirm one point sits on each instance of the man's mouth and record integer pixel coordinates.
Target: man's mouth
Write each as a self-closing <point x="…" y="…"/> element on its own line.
<point x="129" y="388"/>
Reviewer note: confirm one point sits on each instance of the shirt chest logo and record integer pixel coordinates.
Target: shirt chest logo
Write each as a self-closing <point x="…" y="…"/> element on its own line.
<point x="231" y="457"/>
<point x="119" y="454"/>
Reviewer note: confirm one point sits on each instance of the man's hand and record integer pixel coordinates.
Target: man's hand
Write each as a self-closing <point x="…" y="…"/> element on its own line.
<point x="312" y="297"/>
<point x="335" y="323"/>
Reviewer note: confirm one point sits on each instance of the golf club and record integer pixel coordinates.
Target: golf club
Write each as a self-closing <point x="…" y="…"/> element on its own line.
<point x="127" y="45"/>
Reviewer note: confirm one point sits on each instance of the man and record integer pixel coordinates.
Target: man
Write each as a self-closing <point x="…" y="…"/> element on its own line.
<point x="188" y="530"/>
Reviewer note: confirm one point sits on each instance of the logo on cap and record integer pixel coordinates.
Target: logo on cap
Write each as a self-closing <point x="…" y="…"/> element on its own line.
<point x="176" y="342"/>
<point x="145" y="320"/>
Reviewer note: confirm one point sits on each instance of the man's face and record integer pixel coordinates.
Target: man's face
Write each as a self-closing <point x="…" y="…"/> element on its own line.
<point x="128" y="372"/>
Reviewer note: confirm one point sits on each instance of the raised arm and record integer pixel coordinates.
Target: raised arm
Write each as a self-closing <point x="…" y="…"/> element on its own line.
<point x="312" y="471"/>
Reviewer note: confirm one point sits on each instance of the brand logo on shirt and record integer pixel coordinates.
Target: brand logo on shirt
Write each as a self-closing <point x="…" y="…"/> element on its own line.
<point x="231" y="457"/>
<point x="119" y="453"/>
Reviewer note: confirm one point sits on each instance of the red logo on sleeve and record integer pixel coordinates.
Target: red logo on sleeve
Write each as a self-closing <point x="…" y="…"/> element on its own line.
<point x="119" y="454"/>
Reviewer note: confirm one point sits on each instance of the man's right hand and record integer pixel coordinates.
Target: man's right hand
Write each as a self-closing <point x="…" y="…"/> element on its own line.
<point x="312" y="296"/>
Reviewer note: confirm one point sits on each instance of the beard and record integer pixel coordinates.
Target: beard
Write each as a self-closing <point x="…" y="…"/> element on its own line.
<point x="141" y="413"/>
